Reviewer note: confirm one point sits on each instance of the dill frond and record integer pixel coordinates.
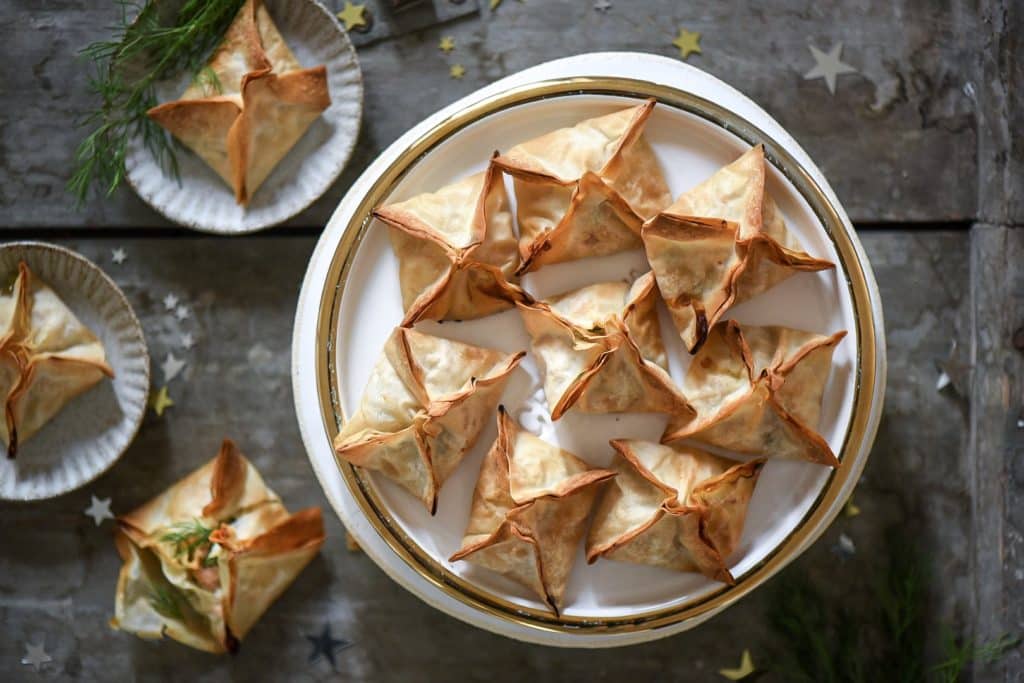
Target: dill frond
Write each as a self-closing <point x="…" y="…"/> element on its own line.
<point x="165" y="602"/>
<point x="958" y="655"/>
<point x="143" y="51"/>
<point x="187" y="538"/>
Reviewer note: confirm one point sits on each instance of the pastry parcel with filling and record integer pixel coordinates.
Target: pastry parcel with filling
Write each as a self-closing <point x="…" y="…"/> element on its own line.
<point x="721" y="243"/>
<point x="207" y="557"/>
<point x="249" y="106"/>
<point x="677" y="508"/>
<point x="529" y="512"/>
<point x="600" y="350"/>
<point x="758" y="391"/>
<point x="47" y="358"/>
<point x="423" y="408"/>
<point x="457" y="254"/>
<point x="585" y="190"/>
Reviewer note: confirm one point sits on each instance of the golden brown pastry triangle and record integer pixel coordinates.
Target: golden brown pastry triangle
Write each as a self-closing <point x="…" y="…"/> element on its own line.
<point x="673" y="507"/>
<point x="529" y="513"/>
<point x="47" y="357"/>
<point x="585" y="190"/>
<point x="758" y="391"/>
<point x="423" y="408"/>
<point x="207" y="557"/>
<point x="719" y="244"/>
<point x="600" y="350"/>
<point x="249" y="106"/>
<point x="456" y="250"/>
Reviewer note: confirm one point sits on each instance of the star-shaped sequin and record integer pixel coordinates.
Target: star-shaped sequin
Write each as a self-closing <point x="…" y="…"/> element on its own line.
<point x="171" y="367"/>
<point x="160" y="401"/>
<point x="170" y="301"/>
<point x="99" y="510"/>
<point x="181" y="313"/>
<point x="353" y="16"/>
<point x="457" y="71"/>
<point x="35" y="656"/>
<point x="845" y="548"/>
<point x="325" y="645"/>
<point x="446" y="45"/>
<point x="688" y="43"/>
<point x="118" y="255"/>
<point x="187" y="341"/>
<point x="745" y="668"/>
<point x="827" y="65"/>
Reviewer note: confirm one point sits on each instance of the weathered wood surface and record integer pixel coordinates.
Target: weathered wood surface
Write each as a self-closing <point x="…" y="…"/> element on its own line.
<point x="58" y="571"/>
<point x="928" y="132"/>
<point x="899" y="140"/>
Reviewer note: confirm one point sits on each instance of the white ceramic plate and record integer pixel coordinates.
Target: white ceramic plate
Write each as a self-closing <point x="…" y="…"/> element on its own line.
<point x="690" y="148"/>
<point x="203" y="201"/>
<point x="92" y="431"/>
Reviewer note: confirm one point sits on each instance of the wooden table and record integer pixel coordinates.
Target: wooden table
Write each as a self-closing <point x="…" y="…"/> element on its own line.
<point x="923" y="147"/>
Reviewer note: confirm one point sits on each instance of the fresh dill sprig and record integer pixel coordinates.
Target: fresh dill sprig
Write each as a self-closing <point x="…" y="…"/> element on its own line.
<point x="959" y="655"/>
<point x="165" y="602"/>
<point x="187" y="538"/>
<point x="884" y="638"/>
<point x="148" y="49"/>
<point x="208" y="81"/>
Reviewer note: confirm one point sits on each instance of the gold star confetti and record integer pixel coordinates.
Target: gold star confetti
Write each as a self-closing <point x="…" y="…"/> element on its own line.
<point x="353" y="15"/>
<point x="745" y="669"/>
<point x="457" y="71"/>
<point x="160" y="401"/>
<point x="447" y="44"/>
<point x="495" y="3"/>
<point x="688" y="42"/>
<point x="851" y="509"/>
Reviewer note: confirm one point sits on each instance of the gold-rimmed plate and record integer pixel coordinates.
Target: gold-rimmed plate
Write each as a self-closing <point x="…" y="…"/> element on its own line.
<point x="350" y="302"/>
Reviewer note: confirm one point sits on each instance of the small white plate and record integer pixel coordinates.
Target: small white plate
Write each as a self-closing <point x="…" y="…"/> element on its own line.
<point x="87" y="437"/>
<point x="350" y="301"/>
<point x="203" y="201"/>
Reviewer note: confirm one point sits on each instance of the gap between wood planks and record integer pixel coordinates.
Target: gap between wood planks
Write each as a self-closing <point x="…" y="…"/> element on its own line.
<point x="111" y="233"/>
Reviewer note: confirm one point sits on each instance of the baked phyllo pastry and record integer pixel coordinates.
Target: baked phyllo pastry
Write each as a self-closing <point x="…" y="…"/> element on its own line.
<point x="586" y="190"/>
<point x="249" y="105"/>
<point x="207" y="557"/>
<point x="758" y="391"/>
<point x="47" y="357"/>
<point x="600" y="350"/>
<point x="677" y="508"/>
<point x="456" y="250"/>
<point x="719" y="244"/>
<point x="423" y="408"/>
<point x="530" y="511"/>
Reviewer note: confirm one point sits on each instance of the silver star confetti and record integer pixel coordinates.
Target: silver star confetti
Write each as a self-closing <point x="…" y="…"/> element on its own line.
<point x="602" y="5"/>
<point x="828" y="66"/>
<point x="844" y="547"/>
<point x="35" y="656"/>
<point x="181" y="313"/>
<point x="170" y="301"/>
<point x="171" y="367"/>
<point x="953" y="372"/>
<point x="99" y="510"/>
<point x="118" y="255"/>
<point x="187" y="341"/>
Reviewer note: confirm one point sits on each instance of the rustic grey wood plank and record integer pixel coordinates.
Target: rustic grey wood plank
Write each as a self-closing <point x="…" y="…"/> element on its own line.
<point x="899" y="140"/>
<point x="58" y="571"/>
<point x="997" y="433"/>
<point x="1001" y="115"/>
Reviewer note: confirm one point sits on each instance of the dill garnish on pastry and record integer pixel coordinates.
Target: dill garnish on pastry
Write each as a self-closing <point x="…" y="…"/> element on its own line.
<point x="243" y="110"/>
